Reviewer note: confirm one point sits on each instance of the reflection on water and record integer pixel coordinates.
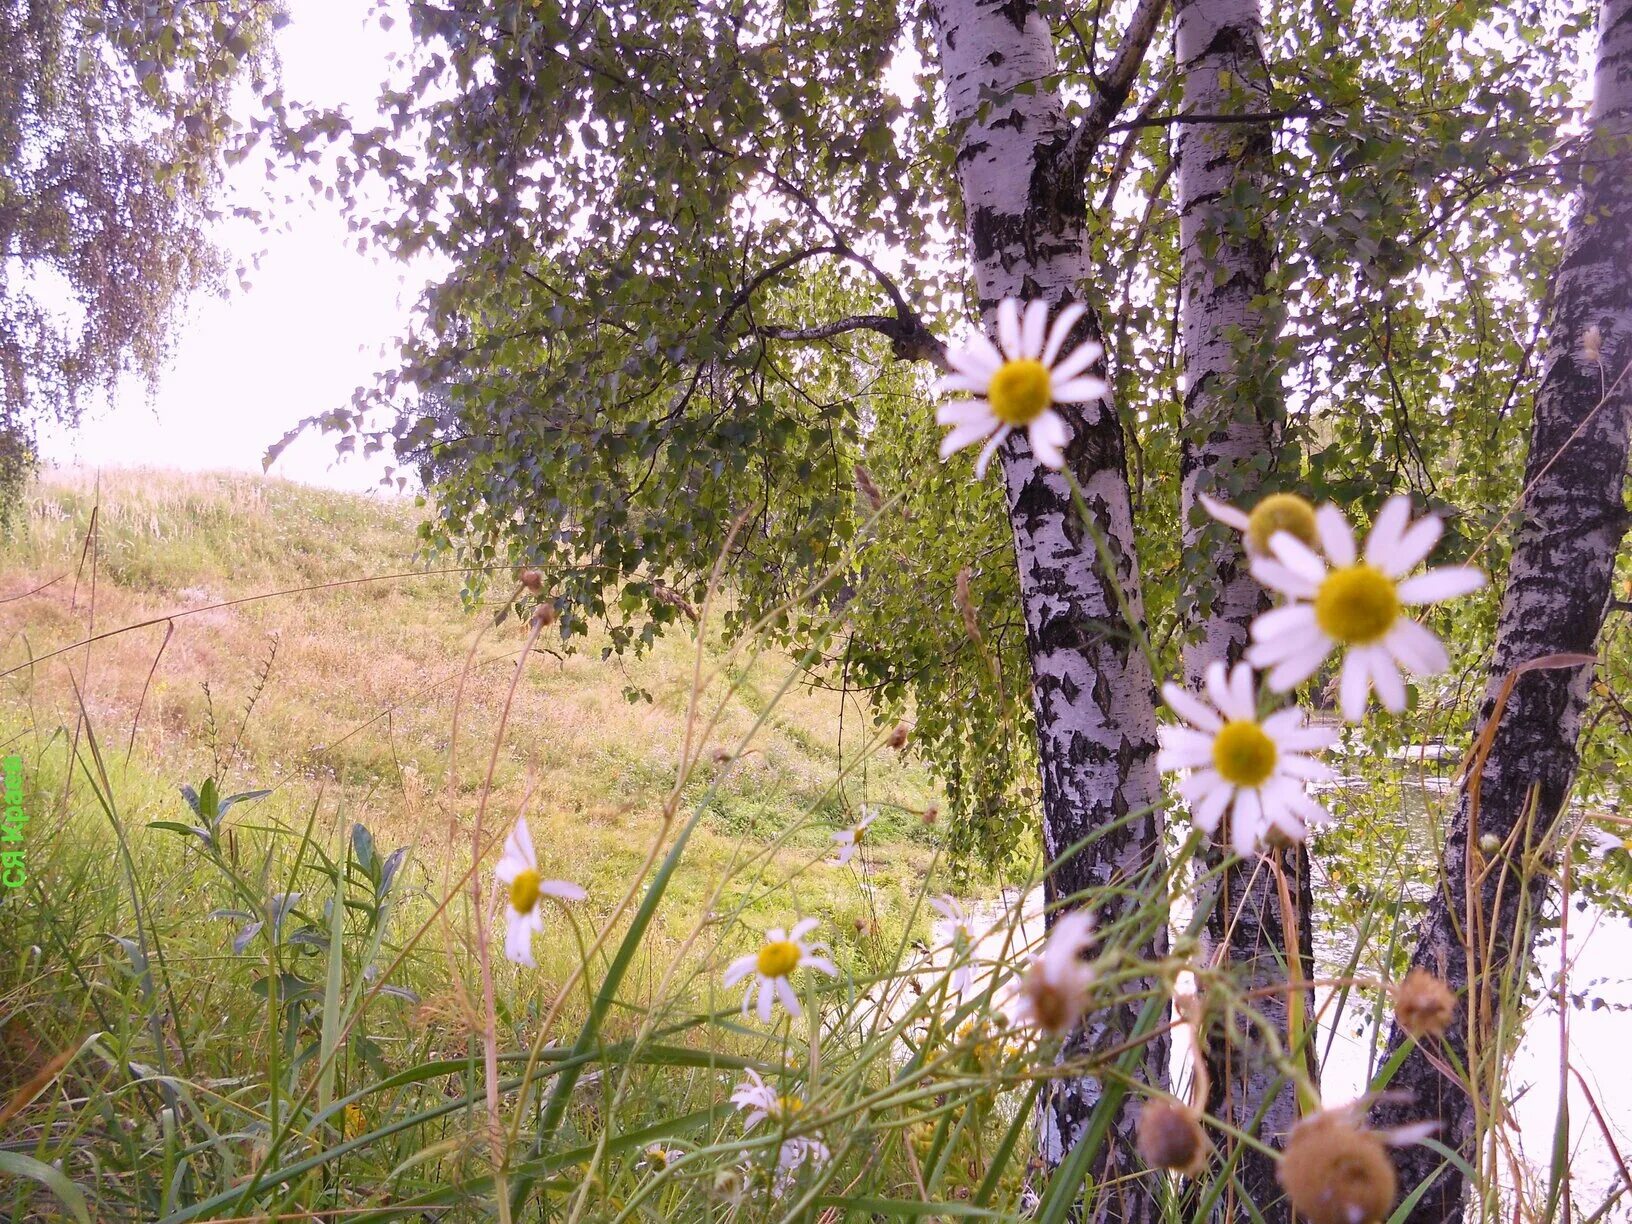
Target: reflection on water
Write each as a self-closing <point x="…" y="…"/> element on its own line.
<point x="1592" y="1043"/>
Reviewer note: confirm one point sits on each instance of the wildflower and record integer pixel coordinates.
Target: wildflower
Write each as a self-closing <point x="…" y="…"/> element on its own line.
<point x="850" y="839"/>
<point x="794" y="1154"/>
<point x="1278" y="512"/>
<point x="1053" y="994"/>
<point x="1356" y="604"/>
<point x="518" y="871"/>
<point x="354" y="1121"/>
<point x="777" y="958"/>
<point x="1170" y="1137"/>
<point x="898" y="737"/>
<point x="1423" y="1005"/>
<point x="730" y="1184"/>
<point x="1021" y="378"/>
<point x="1603" y="843"/>
<point x="759" y="1101"/>
<point x="657" y="1158"/>
<point x="962" y="939"/>
<point x="1337" y="1171"/>
<point x="1253" y="771"/>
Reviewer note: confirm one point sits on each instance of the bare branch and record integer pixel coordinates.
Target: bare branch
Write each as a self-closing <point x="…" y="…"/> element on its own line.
<point x="1114" y="86"/>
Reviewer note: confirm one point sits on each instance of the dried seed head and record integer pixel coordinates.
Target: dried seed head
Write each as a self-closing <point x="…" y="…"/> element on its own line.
<point x="966" y="606"/>
<point x="544" y="615"/>
<point x="1592" y="344"/>
<point x="868" y="490"/>
<point x="931" y="815"/>
<point x="1423" y="1005"/>
<point x="1170" y="1137"/>
<point x="1337" y="1172"/>
<point x="898" y="737"/>
<point x="531" y="579"/>
<point x="722" y="756"/>
<point x="1489" y="844"/>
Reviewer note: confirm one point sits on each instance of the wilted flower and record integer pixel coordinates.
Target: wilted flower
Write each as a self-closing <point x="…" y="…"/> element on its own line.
<point x="517" y="870"/>
<point x="794" y="1154"/>
<point x="850" y="839"/>
<point x="1423" y="1005"/>
<point x="1356" y="604"/>
<point x="1170" y="1137"/>
<point x="1337" y="1171"/>
<point x="1278" y="512"/>
<point x="1021" y="380"/>
<point x="1053" y="993"/>
<point x="1252" y="770"/>
<point x="779" y="956"/>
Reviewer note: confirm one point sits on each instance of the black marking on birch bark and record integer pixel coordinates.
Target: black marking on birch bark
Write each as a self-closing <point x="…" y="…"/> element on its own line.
<point x="1559" y="585"/>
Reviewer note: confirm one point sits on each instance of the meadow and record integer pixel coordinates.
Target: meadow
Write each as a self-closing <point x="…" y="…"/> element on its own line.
<point x="255" y="971"/>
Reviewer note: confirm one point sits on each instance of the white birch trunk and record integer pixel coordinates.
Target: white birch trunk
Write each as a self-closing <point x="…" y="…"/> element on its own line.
<point x="1091" y="689"/>
<point x="1232" y="414"/>
<point x="1571" y="523"/>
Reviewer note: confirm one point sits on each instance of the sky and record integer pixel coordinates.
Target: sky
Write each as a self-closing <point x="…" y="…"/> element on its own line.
<point x="311" y="326"/>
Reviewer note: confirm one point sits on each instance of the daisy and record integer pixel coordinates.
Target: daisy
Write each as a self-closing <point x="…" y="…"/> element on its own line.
<point x="850" y="840"/>
<point x="962" y="940"/>
<point x="658" y="1158"/>
<point x="1602" y="842"/>
<point x="794" y="1154"/>
<point x="1020" y="379"/>
<point x="1358" y="604"/>
<point x="759" y="1101"/>
<point x="517" y="871"/>
<point x="1278" y="512"/>
<point x="1253" y="771"/>
<point x="1053" y="994"/>
<point x="777" y="958"/>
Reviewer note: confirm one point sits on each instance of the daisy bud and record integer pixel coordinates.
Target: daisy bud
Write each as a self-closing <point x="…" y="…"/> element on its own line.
<point x="1170" y="1137"/>
<point x="898" y="737"/>
<point x="1423" y="1005"/>
<point x="730" y="1185"/>
<point x="1490" y="844"/>
<point x="531" y="579"/>
<point x="544" y="615"/>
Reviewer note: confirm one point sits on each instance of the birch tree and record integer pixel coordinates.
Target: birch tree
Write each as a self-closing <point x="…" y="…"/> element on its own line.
<point x="1231" y="428"/>
<point x="1570" y="522"/>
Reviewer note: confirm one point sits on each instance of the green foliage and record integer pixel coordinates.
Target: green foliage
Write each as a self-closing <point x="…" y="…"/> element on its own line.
<point x="112" y="125"/>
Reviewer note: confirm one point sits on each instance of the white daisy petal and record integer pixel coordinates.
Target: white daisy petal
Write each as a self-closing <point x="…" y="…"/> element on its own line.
<point x="1297" y="557"/>
<point x="1355" y="686"/>
<point x="963" y="436"/>
<point x="1309" y="739"/>
<point x="1293" y="669"/>
<point x="739" y="969"/>
<point x="1336" y="536"/>
<point x="1183" y="758"/>
<point x="1198" y="786"/>
<point x="1278" y="577"/>
<point x="1206" y="814"/>
<point x="1414" y="547"/>
<point x="1034" y="329"/>
<point x="988" y="451"/>
<point x="784" y="991"/>
<point x="976" y="384"/>
<point x="1386" y="677"/>
<point x="562" y="889"/>
<point x="1216" y="678"/>
<point x="1386" y="531"/>
<point x="979" y="356"/>
<point x="1289" y="619"/>
<point x="1439" y="584"/>
<point x="1416" y="648"/>
<point x="965" y="412"/>
<point x="767" y="999"/>
<point x="1008" y="329"/>
<point x="1080" y="390"/>
<point x="1192" y="709"/>
<point x="1303" y="767"/>
<point x="1048" y="435"/>
<point x="821" y="964"/>
<point x="1076" y="361"/>
<point x="1228" y="515"/>
<point x="802" y="928"/>
<point x="1061" y="331"/>
<point x="1243" y="698"/>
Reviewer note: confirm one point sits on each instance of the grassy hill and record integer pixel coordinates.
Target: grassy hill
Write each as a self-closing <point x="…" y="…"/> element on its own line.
<point x="159" y="629"/>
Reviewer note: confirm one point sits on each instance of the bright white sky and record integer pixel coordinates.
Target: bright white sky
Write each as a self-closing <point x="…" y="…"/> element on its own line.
<point x="310" y="328"/>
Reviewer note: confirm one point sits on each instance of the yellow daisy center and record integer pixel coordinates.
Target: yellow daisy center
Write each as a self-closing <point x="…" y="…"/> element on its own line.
<point x="524" y="891"/>
<point x="786" y="1107"/>
<point x="778" y="958"/>
<point x="1281" y="512"/>
<point x="1357" y="604"/>
<point x="1019" y="392"/>
<point x="1243" y="754"/>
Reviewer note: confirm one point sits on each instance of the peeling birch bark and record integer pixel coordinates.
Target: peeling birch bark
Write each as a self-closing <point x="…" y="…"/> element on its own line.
<point x="1571" y="522"/>
<point x="1092" y="689"/>
<point x="1232" y="414"/>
